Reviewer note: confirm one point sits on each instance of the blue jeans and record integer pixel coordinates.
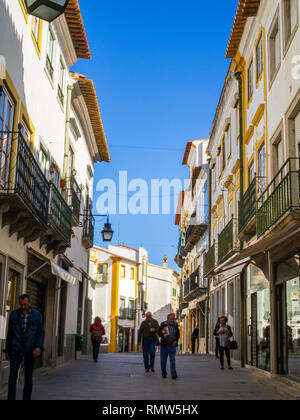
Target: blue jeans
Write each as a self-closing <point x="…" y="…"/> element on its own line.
<point x="164" y="353"/>
<point x="149" y="351"/>
<point x="96" y="349"/>
<point x="15" y="363"/>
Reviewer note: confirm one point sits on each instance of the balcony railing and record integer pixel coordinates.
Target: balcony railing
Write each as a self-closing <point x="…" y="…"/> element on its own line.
<point x="226" y="241"/>
<point x="280" y="196"/>
<point x="127" y="313"/>
<point x="247" y="206"/>
<point x="20" y="174"/>
<point x="186" y="287"/>
<point x="60" y="214"/>
<point x="74" y="197"/>
<point x="209" y="260"/>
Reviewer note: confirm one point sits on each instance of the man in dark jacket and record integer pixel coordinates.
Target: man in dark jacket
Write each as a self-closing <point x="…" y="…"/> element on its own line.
<point x="169" y="333"/>
<point x="195" y="336"/>
<point x="25" y="340"/>
<point x="147" y="332"/>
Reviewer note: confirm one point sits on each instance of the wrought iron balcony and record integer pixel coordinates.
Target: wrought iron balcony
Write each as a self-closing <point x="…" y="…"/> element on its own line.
<point x="74" y="199"/>
<point x="226" y="241"/>
<point x="24" y="190"/>
<point x="60" y="216"/>
<point x="193" y="235"/>
<point x="281" y="196"/>
<point x="247" y="206"/>
<point x="127" y="313"/>
<point x="195" y="285"/>
<point x="88" y="231"/>
<point x="209" y="260"/>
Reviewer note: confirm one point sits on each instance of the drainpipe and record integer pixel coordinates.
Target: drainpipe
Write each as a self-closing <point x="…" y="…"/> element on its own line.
<point x="209" y="239"/>
<point x="238" y="76"/>
<point x="66" y="151"/>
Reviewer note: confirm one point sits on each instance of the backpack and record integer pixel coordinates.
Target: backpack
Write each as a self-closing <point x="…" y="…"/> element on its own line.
<point x="96" y="332"/>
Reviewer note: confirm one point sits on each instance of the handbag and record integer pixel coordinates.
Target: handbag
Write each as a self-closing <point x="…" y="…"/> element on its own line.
<point x="233" y="345"/>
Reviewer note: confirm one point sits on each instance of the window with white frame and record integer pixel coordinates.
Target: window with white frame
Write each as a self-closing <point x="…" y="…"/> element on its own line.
<point x="274" y="48"/>
<point x="25" y="131"/>
<point x="250" y="81"/>
<point x="44" y="160"/>
<point x="61" y="80"/>
<point x="290" y="19"/>
<point x="50" y="53"/>
<point x="259" y="58"/>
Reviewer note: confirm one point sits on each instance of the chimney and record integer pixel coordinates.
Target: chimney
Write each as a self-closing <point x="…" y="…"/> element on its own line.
<point x="165" y="262"/>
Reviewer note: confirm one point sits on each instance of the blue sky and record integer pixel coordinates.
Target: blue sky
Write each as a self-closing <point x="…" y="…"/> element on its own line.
<point x="159" y="69"/>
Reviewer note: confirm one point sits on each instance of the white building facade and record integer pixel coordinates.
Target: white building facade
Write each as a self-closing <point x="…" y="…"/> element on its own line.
<point x="51" y="135"/>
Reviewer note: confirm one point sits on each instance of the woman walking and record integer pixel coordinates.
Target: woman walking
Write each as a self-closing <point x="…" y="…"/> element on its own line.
<point x="97" y="332"/>
<point x="224" y="334"/>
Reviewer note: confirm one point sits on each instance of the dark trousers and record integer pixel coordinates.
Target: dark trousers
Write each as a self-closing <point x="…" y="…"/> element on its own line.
<point x="96" y="349"/>
<point x="217" y="347"/>
<point x="193" y="344"/>
<point x="15" y="363"/>
<point x="166" y="351"/>
<point x="149" y="353"/>
<point x="227" y="352"/>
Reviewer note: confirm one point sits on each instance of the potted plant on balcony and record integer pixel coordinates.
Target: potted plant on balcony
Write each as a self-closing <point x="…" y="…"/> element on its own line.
<point x="63" y="183"/>
<point x="53" y="167"/>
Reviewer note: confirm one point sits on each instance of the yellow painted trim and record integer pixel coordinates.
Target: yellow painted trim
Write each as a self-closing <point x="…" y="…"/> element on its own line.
<point x="236" y="167"/>
<point x="249" y="134"/>
<point x="219" y="199"/>
<point x="38" y="43"/>
<point x="24" y="10"/>
<point x="113" y="346"/>
<point x="257" y="80"/>
<point x="123" y="266"/>
<point x="24" y="116"/>
<point x="258" y="115"/>
<point x="228" y="181"/>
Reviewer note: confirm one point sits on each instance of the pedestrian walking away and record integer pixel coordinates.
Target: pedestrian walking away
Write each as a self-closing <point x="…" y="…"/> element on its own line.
<point x="224" y="333"/>
<point x="24" y="342"/>
<point x="195" y="336"/>
<point x="148" y="335"/>
<point x="217" y="327"/>
<point x="97" y="332"/>
<point x="169" y="333"/>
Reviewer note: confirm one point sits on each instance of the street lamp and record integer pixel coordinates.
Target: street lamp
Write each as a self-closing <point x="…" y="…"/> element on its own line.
<point x="46" y="9"/>
<point x="107" y="232"/>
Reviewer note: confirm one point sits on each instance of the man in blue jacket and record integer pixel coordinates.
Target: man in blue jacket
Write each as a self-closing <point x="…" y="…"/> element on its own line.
<point x="25" y="340"/>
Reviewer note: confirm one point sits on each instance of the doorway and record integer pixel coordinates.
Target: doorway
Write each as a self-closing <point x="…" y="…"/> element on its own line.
<point x="258" y="319"/>
<point x="288" y="313"/>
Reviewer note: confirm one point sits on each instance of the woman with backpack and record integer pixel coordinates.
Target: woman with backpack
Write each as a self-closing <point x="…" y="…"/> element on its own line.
<point x="97" y="332"/>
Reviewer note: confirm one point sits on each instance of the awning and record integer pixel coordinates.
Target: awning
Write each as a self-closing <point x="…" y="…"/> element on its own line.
<point x="63" y="274"/>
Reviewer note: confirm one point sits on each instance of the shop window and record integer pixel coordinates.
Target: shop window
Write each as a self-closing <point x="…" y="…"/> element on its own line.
<point x="258" y="319"/>
<point x="11" y="300"/>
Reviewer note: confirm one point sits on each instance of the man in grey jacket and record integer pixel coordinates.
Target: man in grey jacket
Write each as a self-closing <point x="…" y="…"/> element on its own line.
<point x="147" y="332"/>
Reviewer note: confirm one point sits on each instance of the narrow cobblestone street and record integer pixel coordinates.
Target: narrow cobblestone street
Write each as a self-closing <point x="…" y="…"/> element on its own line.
<point x="122" y="377"/>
